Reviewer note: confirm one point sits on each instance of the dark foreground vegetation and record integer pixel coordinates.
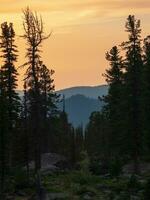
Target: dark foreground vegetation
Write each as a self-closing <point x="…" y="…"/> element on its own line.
<point x="110" y="160"/>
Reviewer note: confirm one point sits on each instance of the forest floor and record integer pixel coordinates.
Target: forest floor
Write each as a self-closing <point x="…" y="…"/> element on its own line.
<point x="79" y="185"/>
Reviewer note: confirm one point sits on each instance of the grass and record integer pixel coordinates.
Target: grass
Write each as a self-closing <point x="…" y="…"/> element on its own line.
<point x="76" y="185"/>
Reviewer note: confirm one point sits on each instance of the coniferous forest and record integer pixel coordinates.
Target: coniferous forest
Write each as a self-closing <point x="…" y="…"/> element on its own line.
<point x="109" y="159"/>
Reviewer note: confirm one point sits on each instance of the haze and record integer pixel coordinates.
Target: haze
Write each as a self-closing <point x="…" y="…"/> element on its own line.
<point x="83" y="30"/>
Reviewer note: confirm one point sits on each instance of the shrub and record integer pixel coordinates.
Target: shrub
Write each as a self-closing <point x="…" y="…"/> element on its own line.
<point x="115" y="168"/>
<point x="146" y="194"/>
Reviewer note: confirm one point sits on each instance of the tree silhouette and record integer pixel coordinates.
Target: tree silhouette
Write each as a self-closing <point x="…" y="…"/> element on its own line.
<point x="133" y="80"/>
<point x="114" y="100"/>
<point x="34" y="36"/>
<point x="9" y="74"/>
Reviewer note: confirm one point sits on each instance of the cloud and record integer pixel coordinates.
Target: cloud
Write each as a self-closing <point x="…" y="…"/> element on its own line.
<point x="74" y="5"/>
<point x="75" y="12"/>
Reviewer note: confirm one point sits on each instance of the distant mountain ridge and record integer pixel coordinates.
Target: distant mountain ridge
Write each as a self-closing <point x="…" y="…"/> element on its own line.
<point x="81" y="101"/>
<point x="88" y="91"/>
<point x="79" y="108"/>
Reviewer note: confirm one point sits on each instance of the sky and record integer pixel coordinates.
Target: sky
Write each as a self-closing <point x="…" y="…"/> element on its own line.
<point x="82" y="32"/>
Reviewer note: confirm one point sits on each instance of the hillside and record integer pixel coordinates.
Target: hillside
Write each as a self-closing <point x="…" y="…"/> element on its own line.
<point x="80" y="107"/>
<point x="88" y="91"/>
<point x="81" y="102"/>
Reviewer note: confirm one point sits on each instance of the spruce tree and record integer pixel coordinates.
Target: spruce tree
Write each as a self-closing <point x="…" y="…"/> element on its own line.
<point x="49" y="99"/>
<point x="9" y="73"/>
<point x="146" y="95"/>
<point x="79" y="143"/>
<point x="3" y="136"/>
<point x="26" y="130"/>
<point x="48" y="95"/>
<point x="133" y="73"/>
<point x="97" y="142"/>
<point x="114" y="101"/>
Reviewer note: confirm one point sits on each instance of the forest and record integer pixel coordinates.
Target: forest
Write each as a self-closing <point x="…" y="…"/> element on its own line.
<point x="109" y="159"/>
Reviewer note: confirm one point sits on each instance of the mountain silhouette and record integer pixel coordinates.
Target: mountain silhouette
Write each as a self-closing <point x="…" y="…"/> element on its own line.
<point x="80" y="102"/>
<point x="79" y="108"/>
<point x="88" y="91"/>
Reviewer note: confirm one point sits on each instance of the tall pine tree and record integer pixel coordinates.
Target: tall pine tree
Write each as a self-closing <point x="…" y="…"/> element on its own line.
<point x="3" y="136"/>
<point x="114" y="101"/>
<point x="34" y="36"/>
<point x="9" y="73"/>
<point x="133" y="67"/>
<point x="146" y="95"/>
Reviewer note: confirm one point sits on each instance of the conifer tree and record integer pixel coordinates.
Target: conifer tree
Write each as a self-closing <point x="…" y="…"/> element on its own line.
<point x="114" y="101"/>
<point x="96" y="137"/>
<point x="64" y="127"/>
<point x="3" y="136"/>
<point x="79" y="142"/>
<point x="9" y="73"/>
<point x="26" y="130"/>
<point x="49" y="99"/>
<point x="34" y="36"/>
<point x="146" y="95"/>
<point x="133" y="72"/>
<point x="47" y="87"/>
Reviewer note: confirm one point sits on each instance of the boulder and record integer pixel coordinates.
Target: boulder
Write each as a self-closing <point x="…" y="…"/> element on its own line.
<point x="143" y="166"/>
<point x="51" y="162"/>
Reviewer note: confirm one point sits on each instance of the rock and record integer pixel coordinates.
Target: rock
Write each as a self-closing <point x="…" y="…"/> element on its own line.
<point x="50" y="196"/>
<point x="87" y="197"/>
<point x="33" y="197"/>
<point x="56" y="196"/>
<point x="105" y="176"/>
<point x="133" y="197"/>
<point x="10" y="197"/>
<point x="63" y="165"/>
<point x="129" y="168"/>
<point x="103" y="187"/>
<point x="51" y="162"/>
<point x="142" y="181"/>
<point x="20" y="193"/>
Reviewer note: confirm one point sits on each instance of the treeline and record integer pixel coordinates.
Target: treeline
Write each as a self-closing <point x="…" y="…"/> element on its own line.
<point x="120" y="134"/>
<point x="31" y="125"/>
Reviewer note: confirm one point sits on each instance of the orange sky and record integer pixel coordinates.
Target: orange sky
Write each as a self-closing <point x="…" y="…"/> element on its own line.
<point x="83" y="30"/>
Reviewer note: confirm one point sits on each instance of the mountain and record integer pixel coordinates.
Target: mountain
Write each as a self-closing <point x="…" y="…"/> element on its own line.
<point x="88" y="91"/>
<point x="79" y="108"/>
<point x="80" y="102"/>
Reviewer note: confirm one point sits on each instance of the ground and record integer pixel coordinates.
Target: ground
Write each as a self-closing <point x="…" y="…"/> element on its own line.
<point x="80" y="185"/>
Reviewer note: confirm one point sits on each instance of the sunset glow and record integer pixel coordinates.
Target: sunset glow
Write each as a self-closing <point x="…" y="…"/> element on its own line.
<point x="83" y="30"/>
